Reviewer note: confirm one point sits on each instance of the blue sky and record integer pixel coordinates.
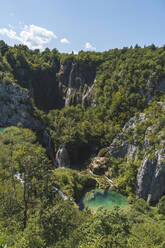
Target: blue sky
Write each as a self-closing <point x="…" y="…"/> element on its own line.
<point x="73" y="25"/>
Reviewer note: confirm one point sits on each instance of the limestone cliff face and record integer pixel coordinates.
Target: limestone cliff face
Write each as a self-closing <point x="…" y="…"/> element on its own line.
<point x="76" y="82"/>
<point x="150" y="151"/>
<point x="43" y="87"/>
<point x="70" y="83"/>
<point x="15" y="107"/>
<point x="121" y="146"/>
<point x="151" y="176"/>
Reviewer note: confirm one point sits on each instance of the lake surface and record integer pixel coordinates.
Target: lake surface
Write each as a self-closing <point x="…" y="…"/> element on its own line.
<point x="100" y="198"/>
<point x="2" y="129"/>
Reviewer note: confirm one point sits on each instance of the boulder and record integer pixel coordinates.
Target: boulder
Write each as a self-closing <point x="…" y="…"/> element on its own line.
<point x="99" y="166"/>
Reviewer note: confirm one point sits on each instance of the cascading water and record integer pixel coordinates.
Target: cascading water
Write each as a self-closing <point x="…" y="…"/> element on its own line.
<point x="62" y="158"/>
<point x="69" y="86"/>
<point x="91" y="172"/>
<point x="18" y="176"/>
<point x="61" y="194"/>
<point x="110" y="181"/>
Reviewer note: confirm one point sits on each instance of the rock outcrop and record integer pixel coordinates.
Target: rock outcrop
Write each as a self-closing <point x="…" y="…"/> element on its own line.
<point x="48" y="144"/>
<point x="120" y="146"/>
<point x="150" y="184"/>
<point x="15" y="107"/>
<point x="43" y="86"/>
<point x="98" y="166"/>
<point x="69" y="83"/>
<point x="76" y="83"/>
<point x="151" y="177"/>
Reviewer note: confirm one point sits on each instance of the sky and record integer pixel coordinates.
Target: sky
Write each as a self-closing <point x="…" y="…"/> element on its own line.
<point x="74" y="25"/>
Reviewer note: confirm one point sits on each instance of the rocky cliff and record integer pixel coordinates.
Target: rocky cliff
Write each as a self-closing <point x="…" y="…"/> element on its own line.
<point x="69" y="83"/>
<point x="76" y="83"/>
<point x="16" y="107"/>
<point x="142" y="140"/>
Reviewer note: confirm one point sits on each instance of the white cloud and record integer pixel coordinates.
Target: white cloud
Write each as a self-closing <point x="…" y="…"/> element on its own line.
<point x="34" y="37"/>
<point x="10" y="33"/>
<point x="65" y="41"/>
<point x="88" y="46"/>
<point x="75" y="52"/>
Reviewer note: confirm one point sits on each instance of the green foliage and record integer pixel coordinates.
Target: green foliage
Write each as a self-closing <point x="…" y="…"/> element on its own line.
<point x="105" y="229"/>
<point x="71" y="182"/>
<point x="77" y="130"/>
<point x="23" y="166"/>
<point x="32" y="214"/>
<point x="127" y="176"/>
<point x="161" y="206"/>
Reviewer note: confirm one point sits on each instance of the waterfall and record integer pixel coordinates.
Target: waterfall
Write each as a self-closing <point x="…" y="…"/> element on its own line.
<point x="91" y="172"/>
<point x="62" y="158"/>
<point x="18" y="176"/>
<point x="60" y="193"/>
<point x="110" y="181"/>
<point x="69" y="86"/>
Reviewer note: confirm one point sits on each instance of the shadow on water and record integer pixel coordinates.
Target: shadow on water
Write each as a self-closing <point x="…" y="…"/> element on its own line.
<point x="103" y="198"/>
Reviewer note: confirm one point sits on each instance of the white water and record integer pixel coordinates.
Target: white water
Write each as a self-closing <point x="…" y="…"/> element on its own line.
<point x="62" y="195"/>
<point x="91" y="172"/>
<point x="69" y="86"/>
<point x="110" y="181"/>
<point x="18" y="176"/>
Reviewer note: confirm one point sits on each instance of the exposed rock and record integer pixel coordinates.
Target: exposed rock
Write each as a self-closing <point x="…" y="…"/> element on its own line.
<point x="47" y="142"/>
<point x="87" y="98"/>
<point x="99" y="166"/>
<point x="145" y="177"/>
<point x="161" y="85"/>
<point x="62" y="158"/>
<point x="151" y="177"/>
<point x="76" y="82"/>
<point x="70" y="89"/>
<point x="15" y="107"/>
<point x="120" y="146"/>
<point x="150" y="86"/>
<point x="151" y="174"/>
<point x="43" y="87"/>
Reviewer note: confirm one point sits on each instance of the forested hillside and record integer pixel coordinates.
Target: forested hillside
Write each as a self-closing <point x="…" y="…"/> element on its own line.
<point x="101" y="115"/>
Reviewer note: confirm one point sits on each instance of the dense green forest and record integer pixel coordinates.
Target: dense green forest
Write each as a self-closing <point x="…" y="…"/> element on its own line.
<point x="122" y="83"/>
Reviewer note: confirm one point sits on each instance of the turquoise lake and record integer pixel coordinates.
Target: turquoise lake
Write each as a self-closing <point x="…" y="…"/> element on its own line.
<point x="107" y="199"/>
<point x="2" y="129"/>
